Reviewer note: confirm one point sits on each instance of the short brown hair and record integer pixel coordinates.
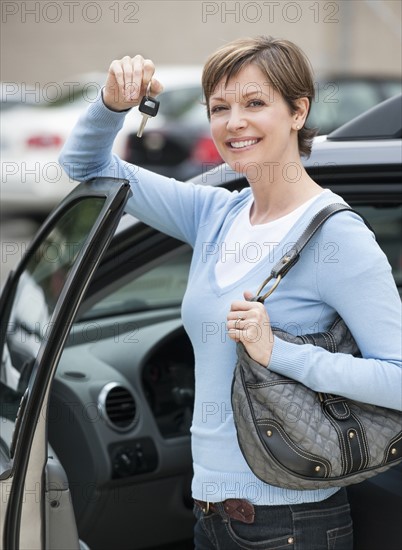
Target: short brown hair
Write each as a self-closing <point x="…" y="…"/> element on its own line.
<point x="286" y="66"/>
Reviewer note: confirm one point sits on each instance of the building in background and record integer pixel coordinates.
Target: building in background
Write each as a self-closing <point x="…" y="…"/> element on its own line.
<point x="49" y="41"/>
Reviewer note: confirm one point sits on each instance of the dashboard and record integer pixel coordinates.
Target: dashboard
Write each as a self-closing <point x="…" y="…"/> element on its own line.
<point x="124" y="405"/>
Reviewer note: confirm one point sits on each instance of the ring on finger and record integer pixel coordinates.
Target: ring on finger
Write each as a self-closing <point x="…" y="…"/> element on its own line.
<point x="238" y="321"/>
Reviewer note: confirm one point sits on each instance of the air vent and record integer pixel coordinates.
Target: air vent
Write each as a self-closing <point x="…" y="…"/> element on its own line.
<point x="118" y="407"/>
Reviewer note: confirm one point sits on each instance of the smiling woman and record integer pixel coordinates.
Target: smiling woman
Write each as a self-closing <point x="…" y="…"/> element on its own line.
<point x="283" y="68"/>
<point x="258" y="93"/>
<point x="257" y="127"/>
<point x="258" y="100"/>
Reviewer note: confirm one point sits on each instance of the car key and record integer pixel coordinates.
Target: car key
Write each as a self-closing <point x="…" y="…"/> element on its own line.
<point x="149" y="108"/>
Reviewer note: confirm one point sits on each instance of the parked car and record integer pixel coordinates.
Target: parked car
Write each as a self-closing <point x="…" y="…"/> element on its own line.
<point x="181" y="145"/>
<point x="12" y="95"/>
<point x="341" y="98"/>
<point x="32" y="134"/>
<point x="36" y="127"/>
<point x="97" y="378"/>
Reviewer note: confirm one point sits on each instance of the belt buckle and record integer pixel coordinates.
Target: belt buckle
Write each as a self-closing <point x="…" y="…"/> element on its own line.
<point x="204" y="506"/>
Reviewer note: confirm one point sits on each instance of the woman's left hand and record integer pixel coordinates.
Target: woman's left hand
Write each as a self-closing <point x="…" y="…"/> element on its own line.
<point x="248" y="322"/>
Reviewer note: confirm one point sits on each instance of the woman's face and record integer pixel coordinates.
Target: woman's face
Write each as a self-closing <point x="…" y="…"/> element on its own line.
<point x="251" y="123"/>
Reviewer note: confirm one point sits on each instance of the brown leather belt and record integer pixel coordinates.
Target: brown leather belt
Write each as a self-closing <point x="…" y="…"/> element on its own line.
<point x="236" y="508"/>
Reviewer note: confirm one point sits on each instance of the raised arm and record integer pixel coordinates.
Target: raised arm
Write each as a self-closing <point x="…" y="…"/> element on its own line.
<point x="173" y="207"/>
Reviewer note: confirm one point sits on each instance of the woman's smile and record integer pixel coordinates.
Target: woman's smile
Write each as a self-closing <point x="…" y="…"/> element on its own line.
<point x="242" y="143"/>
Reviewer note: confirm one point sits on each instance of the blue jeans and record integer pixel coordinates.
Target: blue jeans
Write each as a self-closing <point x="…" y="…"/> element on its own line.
<point x="325" y="525"/>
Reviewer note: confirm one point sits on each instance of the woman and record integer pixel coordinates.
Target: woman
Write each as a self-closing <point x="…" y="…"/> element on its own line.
<point x="258" y="95"/>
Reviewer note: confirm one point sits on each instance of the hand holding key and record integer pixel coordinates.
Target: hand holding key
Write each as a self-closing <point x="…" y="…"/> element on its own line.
<point x="129" y="79"/>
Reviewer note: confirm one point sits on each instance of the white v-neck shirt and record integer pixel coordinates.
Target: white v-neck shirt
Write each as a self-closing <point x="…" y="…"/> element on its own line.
<point x="246" y="244"/>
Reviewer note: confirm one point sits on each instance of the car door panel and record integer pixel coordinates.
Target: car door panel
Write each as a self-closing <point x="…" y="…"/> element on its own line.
<point x="37" y="311"/>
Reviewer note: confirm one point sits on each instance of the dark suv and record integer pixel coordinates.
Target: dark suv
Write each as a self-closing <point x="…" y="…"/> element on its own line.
<point x="97" y="379"/>
<point x="182" y="144"/>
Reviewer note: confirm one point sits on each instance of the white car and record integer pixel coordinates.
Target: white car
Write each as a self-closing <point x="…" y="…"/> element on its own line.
<point x="32" y="134"/>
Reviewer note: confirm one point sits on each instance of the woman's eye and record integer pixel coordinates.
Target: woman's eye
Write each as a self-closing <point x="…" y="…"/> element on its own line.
<point x="256" y="103"/>
<point x="217" y="109"/>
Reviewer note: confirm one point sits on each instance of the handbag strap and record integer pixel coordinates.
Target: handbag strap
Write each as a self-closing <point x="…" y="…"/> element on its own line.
<point x="291" y="257"/>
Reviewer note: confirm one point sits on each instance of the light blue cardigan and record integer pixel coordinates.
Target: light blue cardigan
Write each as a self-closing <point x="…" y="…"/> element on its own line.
<point x="342" y="270"/>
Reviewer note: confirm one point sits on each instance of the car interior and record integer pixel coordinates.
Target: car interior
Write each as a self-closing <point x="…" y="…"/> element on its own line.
<point x="122" y="397"/>
<point x="121" y="403"/>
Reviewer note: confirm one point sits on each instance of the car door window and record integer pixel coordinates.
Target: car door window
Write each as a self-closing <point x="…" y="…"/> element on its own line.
<point x="38" y="289"/>
<point x="162" y="285"/>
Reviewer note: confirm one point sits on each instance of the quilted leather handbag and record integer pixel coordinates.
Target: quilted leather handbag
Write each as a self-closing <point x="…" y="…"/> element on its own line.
<point x="296" y="438"/>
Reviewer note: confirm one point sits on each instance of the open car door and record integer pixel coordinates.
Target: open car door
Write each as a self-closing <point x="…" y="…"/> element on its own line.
<point x="37" y="308"/>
